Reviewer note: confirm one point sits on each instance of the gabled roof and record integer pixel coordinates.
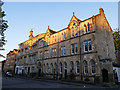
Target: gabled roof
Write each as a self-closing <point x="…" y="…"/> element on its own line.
<point x="74" y="17"/>
<point x="49" y="31"/>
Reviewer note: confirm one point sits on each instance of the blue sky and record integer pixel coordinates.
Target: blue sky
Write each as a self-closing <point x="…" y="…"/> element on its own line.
<point x="22" y="16"/>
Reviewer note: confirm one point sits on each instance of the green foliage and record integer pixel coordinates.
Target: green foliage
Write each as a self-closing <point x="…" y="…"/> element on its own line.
<point x="87" y="79"/>
<point x="3" y="27"/>
<point x="97" y="79"/>
<point x="116" y="36"/>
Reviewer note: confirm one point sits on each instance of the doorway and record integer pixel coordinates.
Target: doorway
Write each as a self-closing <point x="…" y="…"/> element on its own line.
<point x="105" y="75"/>
<point x="39" y="72"/>
<point x="28" y="70"/>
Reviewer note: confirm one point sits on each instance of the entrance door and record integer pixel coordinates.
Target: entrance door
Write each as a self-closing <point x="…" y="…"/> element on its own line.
<point x="105" y="75"/>
<point x="28" y="70"/>
<point x="65" y="74"/>
<point x="39" y="72"/>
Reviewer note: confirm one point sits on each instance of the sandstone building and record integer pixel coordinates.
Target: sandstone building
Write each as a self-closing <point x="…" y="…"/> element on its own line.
<point x="9" y="64"/>
<point x="82" y="51"/>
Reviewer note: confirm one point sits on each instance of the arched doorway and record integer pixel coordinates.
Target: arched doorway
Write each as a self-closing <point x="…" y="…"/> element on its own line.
<point x="39" y="69"/>
<point x="65" y="70"/>
<point x="28" y="70"/>
<point x="105" y="75"/>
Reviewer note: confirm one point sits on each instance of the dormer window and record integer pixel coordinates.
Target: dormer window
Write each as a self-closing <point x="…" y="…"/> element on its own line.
<point x="88" y="26"/>
<point x="73" y="24"/>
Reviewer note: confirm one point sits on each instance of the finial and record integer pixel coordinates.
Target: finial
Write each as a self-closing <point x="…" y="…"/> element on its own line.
<point x="73" y="13"/>
<point x="101" y="11"/>
<point x="31" y="30"/>
<point x="48" y="26"/>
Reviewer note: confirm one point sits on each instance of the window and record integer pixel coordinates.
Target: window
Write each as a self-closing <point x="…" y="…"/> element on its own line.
<point x="85" y="46"/>
<point x="89" y="45"/>
<point x="77" y="67"/>
<point x="85" y="28"/>
<point x="72" y="49"/>
<point x="72" y="32"/>
<point x="72" y="66"/>
<point x="85" y="67"/>
<point x="60" y="68"/>
<point x="47" y="67"/>
<point x="76" y="32"/>
<point x="65" y="65"/>
<point x="55" y="38"/>
<point x="51" y="68"/>
<point x="32" y="69"/>
<point x="76" y="49"/>
<point x="88" y="27"/>
<point x="64" y="35"/>
<point x="40" y="55"/>
<point x="46" y="53"/>
<point x="48" y="41"/>
<point x="64" y="50"/>
<point x="55" y="52"/>
<point x="61" y="51"/>
<point x="44" y="68"/>
<point x="93" y="67"/>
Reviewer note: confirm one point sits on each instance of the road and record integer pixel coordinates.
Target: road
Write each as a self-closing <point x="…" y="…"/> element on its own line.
<point x="8" y="82"/>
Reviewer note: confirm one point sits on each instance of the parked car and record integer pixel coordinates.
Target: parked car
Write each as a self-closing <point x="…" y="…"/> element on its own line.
<point x="9" y="74"/>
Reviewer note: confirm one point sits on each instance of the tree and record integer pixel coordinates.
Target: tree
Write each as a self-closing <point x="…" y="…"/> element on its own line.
<point x="3" y="27"/>
<point x="116" y="36"/>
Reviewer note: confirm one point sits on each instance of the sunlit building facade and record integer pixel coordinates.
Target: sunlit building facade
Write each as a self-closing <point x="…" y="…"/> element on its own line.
<point x="83" y="51"/>
<point x="9" y="64"/>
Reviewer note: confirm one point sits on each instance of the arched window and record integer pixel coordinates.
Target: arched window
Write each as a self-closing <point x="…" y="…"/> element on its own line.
<point x="47" y="67"/>
<point x="76" y="31"/>
<point x="71" y="66"/>
<point x="85" y="28"/>
<point x="55" y="68"/>
<point x="60" y="68"/>
<point x="51" y="68"/>
<point x="88" y="26"/>
<point x="65" y="65"/>
<point x="93" y="67"/>
<point x="85" y="67"/>
<point x="44" y="68"/>
<point x="77" y="67"/>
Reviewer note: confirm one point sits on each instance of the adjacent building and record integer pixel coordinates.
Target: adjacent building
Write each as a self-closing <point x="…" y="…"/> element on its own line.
<point x="9" y="64"/>
<point x="83" y="51"/>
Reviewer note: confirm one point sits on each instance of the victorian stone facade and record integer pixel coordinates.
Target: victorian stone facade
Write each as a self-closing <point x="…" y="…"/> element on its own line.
<point x="83" y="51"/>
<point x="9" y="64"/>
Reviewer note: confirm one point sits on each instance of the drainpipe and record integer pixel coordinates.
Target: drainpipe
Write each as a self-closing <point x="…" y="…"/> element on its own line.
<point x="80" y="55"/>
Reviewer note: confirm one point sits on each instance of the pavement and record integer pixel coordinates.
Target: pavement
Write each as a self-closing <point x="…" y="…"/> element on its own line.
<point x="68" y="82"/>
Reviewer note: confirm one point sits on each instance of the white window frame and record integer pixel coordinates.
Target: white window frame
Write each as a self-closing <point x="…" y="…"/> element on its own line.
<point x="61" y="51"/>
<point x="55" y="52"/>
<point x="88" y="45"/>
<point x="72" y="49"/>
<point x="64" y="50"/>
<point x="85" y="42"/>
<point x="76" y="47"/>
